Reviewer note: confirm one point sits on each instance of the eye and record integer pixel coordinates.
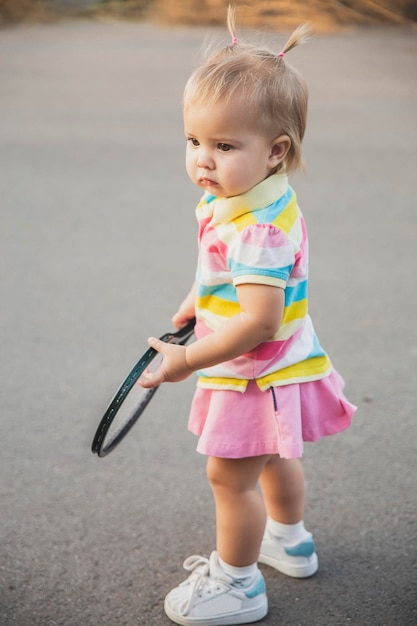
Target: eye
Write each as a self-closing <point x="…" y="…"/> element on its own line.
<point x="224" y="147"/>
<point x="194" y="142"/>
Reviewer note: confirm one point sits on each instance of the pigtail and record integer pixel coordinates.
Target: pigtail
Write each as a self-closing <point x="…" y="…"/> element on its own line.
<point x="231" y="24"/>
<point x="298" y="37"/>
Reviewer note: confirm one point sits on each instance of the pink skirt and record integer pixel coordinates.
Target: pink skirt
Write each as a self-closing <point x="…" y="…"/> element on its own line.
<point x="235" y="425"/>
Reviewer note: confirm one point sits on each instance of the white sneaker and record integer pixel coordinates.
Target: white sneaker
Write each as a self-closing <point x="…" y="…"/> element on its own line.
<point x="298" y="560"/>
<point x="209" y="597"/>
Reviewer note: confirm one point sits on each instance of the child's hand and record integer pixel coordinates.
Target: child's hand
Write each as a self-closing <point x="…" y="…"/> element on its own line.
<point x="186" y="310"/>
<point x="182" y="317"/>
<point x="173" y="367"/>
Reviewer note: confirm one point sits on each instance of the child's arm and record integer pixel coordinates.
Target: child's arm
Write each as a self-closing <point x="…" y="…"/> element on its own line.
<point x="262" y="308"/>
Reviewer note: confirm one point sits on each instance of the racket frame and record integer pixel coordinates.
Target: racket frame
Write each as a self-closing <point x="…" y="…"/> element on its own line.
<point x="180" y="337"/>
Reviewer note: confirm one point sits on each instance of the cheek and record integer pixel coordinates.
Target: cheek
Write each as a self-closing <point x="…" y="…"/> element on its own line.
<point x="236" y="168"/>
<point x="189" y="162"/>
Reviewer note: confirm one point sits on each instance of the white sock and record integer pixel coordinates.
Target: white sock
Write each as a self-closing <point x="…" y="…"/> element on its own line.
<point x="289" y="533"/>
<point x="244" y="574"/>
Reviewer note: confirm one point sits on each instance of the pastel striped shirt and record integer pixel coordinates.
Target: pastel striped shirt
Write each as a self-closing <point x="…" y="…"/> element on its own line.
<point x="258" y="237"/>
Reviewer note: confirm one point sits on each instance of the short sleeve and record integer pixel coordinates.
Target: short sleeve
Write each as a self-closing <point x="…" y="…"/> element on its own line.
<point x="261" y="253"/>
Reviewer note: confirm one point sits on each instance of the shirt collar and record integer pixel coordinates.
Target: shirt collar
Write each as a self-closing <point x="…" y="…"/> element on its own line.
<point x="262" y="195"/>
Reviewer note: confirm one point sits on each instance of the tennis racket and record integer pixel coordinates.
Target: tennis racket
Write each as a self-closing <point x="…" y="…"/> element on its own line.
<point x="130" y="400"/>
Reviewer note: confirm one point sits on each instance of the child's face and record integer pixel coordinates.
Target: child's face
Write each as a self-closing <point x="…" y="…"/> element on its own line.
<point x="225" y="155"/>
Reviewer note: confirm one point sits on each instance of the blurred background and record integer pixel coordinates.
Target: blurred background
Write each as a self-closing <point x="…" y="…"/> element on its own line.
<point x="97" y="248"/>
<point x="322" y="14"/>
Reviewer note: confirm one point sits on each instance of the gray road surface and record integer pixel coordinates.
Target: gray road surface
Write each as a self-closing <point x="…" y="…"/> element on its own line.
<point x="97" y="245"/>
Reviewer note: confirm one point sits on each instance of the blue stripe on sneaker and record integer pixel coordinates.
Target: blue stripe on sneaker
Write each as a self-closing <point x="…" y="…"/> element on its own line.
<point x="305" y="548"/>
<point x="257" y="589"/>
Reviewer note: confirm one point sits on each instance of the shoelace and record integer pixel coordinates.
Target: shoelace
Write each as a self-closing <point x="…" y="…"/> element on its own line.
<point x="198" y="580"/>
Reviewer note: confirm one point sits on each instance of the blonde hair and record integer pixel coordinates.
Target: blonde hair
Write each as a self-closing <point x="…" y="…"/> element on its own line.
<point x="274" y="92"/>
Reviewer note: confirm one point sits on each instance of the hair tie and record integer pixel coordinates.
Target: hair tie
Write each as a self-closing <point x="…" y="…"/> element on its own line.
<point x="281" y="54"/>
<point x="234" y="41"/>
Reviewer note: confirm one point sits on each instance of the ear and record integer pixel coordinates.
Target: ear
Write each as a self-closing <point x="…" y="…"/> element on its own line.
<point x="279" y="150"/>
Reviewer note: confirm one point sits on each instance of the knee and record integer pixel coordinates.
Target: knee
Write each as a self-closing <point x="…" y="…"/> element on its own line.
<point x="223" y="479"/>
<point x="236" y="475"/>
<point x="216" y="475"/>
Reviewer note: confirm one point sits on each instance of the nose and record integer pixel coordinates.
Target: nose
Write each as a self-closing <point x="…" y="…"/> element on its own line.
<point x="204" y="160"/>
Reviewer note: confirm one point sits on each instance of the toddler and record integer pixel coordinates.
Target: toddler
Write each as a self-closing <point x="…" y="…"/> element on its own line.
<point x="265" y="384"/>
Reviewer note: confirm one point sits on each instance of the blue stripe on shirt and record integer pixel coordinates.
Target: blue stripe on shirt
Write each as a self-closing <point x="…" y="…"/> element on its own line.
<point x="268" y="214"/>
<point x="225" y="291"/>
<point x="296" y="293"/>
<point x="239" y="269"/>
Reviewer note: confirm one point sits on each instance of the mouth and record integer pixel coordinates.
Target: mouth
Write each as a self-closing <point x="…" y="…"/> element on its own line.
<point x="207" y="182"/>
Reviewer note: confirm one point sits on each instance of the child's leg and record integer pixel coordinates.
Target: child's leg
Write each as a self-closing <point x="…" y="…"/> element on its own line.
<point x="240" y="511"/>
<point x="286" y="545"/>
<point x="282" y="483"/>
<point x="228" y="588"/>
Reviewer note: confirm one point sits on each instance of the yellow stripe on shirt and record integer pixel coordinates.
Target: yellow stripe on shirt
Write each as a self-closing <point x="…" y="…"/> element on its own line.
<point x="288" y="217"/>
<point x="218" y="306"/>
<point x="312" y="369"/>
<point x="296" y="310"/>
<point x="222" y="384"/>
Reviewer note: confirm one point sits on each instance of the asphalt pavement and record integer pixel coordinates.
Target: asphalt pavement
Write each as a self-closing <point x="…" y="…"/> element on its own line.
<point x="98" y="246"/>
